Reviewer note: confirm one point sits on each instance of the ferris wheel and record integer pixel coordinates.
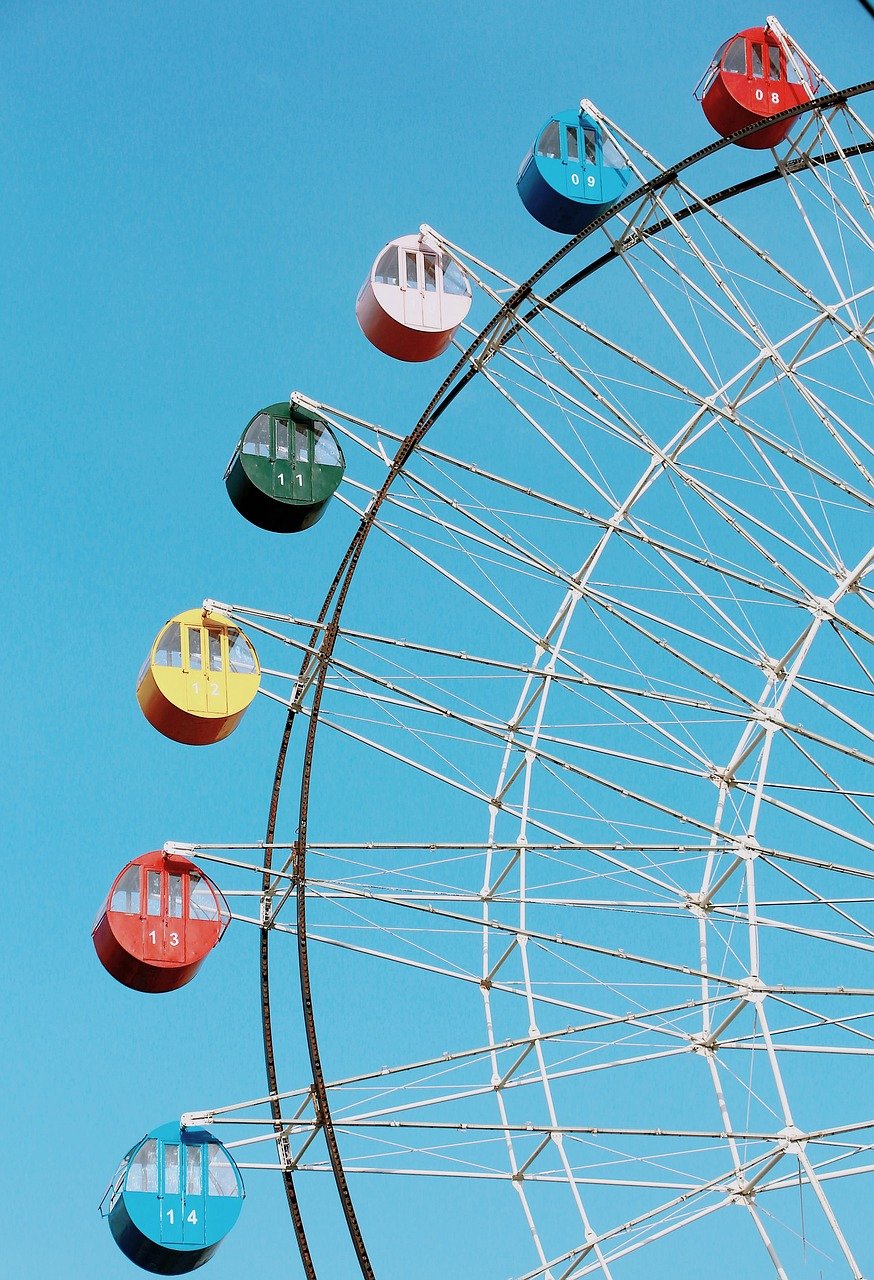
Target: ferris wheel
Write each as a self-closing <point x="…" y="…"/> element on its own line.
<point x="599" y="658"/>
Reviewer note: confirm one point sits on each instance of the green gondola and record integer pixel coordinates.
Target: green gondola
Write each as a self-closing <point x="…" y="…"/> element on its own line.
<point x="285" y="469"/>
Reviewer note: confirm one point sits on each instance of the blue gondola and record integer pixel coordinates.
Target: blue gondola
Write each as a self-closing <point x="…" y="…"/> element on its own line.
<point x="175" y="1197"/>
<point x="572" y="173"/>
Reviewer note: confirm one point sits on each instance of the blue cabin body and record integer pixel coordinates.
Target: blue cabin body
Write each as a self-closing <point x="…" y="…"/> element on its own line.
<point x="572" y="174"/>
<point x="175" y="1197"/>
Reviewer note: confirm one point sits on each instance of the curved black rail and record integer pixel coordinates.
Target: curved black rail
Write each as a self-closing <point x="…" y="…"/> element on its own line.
<point x="462" y="373"/>
<point x="267" y="1028"/>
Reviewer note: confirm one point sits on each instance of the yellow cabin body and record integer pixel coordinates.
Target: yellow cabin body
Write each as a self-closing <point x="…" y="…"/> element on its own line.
<point x="199" y="678"/>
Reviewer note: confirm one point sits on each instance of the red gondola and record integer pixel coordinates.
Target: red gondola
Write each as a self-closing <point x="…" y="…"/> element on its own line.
<point x="160" y="921"/>
<point x="754" y="75"/>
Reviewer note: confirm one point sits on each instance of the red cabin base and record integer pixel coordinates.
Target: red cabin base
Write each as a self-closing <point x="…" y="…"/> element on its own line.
<point x="116" y="954"/>
<point x="395" y="339"/>
<point x="727" y="115"/>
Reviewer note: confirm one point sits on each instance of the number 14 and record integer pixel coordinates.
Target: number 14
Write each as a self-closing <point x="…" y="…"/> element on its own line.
<point x="192" y="1217"/>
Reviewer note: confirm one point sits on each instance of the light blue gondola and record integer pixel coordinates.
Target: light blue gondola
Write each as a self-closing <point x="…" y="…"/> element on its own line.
<point x="174" y="1198"/>
<point x="572" y="173"/>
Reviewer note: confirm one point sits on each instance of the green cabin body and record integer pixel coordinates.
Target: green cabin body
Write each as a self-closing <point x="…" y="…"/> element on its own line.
<point x="285" y="469"/>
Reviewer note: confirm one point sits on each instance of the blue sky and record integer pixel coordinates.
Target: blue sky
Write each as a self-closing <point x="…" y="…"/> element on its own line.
<point x="192" y="194"/>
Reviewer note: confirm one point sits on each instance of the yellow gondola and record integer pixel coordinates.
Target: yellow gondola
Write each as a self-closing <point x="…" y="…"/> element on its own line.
<point x="199" y="678"/>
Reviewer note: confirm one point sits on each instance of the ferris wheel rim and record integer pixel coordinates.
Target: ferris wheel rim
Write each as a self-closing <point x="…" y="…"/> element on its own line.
<point x="325" y="633"/>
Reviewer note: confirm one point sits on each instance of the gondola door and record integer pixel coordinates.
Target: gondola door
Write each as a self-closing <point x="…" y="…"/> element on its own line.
<point x="153" y="915"/>
<point x="301" y="461"/>
<point x="193" y="665"/>
<point x="582" y="164"/>
<point x="429" y="270"/>
<point x="773" y="80"/>
<point x="757" y="75"/>
<point x="216" y="666"/>
<point x="174" y="926"/>
<point x="280" y="455"/>
<point x="172" y="1204"/>
<point x="413" y="295"/>
<point x="194" y="1200"/>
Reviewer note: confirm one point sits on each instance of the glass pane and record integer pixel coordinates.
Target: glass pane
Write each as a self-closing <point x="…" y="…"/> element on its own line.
<point x="548" y="143"/>
<point x="327" y="451"/>
<point x="171" y="1168"/>
<point x="301" y="442"/>
<point x="126" y="894"/>
<point x="610" y="155"/>
<point x="195" y="662"/>
<point x="153" y="893"/>
<point x="736" y="57"/>
<point x="215" y="650"/>
<point x="281" y="440"/>
<point x="712" y="71"/>
<point x="222" y="1179"/>
<point x="757" y="61"/>
<point x="201" y="899"/>
<point x="169" y="650"/>
<point x="257" y="438"/>
<point x="143" y="1172"/>
<point x="412" y="278"/>
<point x="241" y="655"/>
<point x="719" y="52"/>
<point x="773" y="62"/>
<point x="387" y="267"/>
<point x="454" y="279"/>
<point x="591" y="142"/>
<point x="573" y="143"/>
<point x="799" y="74"/>
<point x="174" y="896"/>
<point x="193" y="1171"/>
<point x="430" y="261"/>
